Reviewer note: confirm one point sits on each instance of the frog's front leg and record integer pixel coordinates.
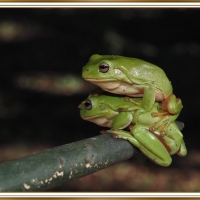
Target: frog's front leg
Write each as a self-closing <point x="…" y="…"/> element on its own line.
<point x="172" y="104"/>
<point x="147" y="103"/>
<point x="183" y="150"/>
<point x="148" y="98"/>
<point x="148" y="143"/>
<point x="122" y="120"/>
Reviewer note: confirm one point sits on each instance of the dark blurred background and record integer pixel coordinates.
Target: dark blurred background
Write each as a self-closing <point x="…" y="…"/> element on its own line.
<point x="42" y="54"/>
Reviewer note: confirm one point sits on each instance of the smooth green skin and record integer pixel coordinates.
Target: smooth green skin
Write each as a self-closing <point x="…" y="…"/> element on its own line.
<point x="116" y="113"/>
<point x="135" y="78"/>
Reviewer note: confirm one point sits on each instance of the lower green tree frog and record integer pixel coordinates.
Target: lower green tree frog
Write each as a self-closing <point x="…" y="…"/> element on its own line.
<point x="115" y="112"/>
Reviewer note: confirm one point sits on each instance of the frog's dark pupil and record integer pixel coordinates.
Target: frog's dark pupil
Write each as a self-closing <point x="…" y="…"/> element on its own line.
<point x="88" y="104"/>
<point x="103" y="67"/>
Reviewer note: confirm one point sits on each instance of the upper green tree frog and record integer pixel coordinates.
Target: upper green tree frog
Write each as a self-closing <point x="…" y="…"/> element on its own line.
<point x="132" y="77"/>
<point x="115" y="112"/>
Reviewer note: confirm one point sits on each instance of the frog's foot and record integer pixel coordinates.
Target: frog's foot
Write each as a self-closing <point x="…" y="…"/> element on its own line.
<point x="114" y="133"/>
<point x="162" y="128"/>
<point x="103" y="132"/>
<point x="183" y="150"/>
<point x="158" y="114"/>
<point x="117" y="133"/>
<point x="172" y="104"/>
<point x="137" y="103"/>
<point x="161" y="125"/>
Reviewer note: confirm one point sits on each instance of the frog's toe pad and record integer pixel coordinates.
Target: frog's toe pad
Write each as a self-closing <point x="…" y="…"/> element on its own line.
<point x="103" y="132"/>
<point x="115" y="136"/>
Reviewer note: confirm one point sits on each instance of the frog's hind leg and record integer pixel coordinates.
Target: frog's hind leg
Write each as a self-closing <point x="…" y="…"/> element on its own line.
<point x="151" y="146"/>
<point x="148" y="144"/>
<point x="148" y="98"/>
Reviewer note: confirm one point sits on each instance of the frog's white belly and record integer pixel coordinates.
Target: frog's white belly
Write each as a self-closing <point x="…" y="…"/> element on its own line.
<point x="126" y="89"/>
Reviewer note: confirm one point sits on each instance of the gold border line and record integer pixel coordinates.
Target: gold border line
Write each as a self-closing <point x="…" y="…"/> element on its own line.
<point x="99" y="4"/>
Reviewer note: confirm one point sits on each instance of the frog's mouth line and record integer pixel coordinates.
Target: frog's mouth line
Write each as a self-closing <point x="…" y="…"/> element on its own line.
<point x="100" y="116"/>
<point x="100" y="80"/>
<point x="94" y="117"/>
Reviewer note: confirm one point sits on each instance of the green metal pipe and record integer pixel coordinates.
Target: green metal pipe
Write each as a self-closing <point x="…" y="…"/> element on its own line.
<point x="50" y="168"/>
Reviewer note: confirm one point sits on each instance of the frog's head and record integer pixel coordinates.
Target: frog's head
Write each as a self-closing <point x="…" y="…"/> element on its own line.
<point x="94" y="109"/>
<point x="103" y="68"/>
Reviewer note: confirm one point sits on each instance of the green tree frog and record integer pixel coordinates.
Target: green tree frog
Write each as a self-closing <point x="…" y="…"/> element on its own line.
<point x="132" y="77"/>
<point x="113" y="111"/>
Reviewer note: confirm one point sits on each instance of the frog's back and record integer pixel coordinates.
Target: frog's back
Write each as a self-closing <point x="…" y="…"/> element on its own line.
<point x="142" y="72"/>
<point x="118" y="102"/>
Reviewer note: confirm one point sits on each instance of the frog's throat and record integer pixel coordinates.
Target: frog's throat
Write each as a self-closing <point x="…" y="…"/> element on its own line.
<point x="118" y="87"/>
<point x="101" y="121"/>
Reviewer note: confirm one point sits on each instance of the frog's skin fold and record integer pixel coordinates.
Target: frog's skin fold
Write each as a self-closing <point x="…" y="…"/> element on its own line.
<point x="115" y="112"/>
<point x="132" y="77"/>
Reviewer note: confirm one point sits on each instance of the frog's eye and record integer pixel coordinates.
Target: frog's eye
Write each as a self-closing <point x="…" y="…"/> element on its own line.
<point x="104" y="67"/>
<point x="88" y="104"/>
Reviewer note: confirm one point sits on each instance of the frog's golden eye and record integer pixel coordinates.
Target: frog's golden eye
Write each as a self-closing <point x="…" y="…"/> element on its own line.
<point x="104" y="67"/>
<point x="88" y="104"/>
